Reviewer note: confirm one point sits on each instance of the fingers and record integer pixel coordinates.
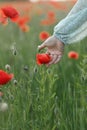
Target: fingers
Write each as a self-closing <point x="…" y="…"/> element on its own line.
<point x="55" y="59"/>
<point x="43" y="45"/>
<point x="58" y="59"/>
<point x="48" y="42"/>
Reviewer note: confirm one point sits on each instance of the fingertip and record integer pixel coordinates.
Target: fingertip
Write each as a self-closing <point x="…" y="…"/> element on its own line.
<point x="41" y="47"/>
<point x="58" y="59"/>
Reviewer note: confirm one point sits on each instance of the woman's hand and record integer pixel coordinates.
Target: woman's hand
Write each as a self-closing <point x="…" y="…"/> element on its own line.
<point x="55" y="49"/>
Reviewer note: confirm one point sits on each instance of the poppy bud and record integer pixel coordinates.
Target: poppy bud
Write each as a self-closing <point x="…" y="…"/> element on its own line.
<point x="3" y="106"/>
<point x="7" y="67"/>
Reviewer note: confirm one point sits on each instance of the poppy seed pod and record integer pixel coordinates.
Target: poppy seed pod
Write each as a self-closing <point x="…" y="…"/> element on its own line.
<point x="3" y="106"/>
<point x="7" y="67"/>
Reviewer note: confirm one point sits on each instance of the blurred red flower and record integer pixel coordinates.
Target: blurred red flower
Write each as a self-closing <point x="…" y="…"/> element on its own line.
<point x="24" y="28"/>
<point x="51" y="19"/>
<point x="47" y="22"/>
<point x="43" y="58"/>
<point x="23" y="20"/>
<point x="59" y="5"/>
<point x="3" y="18"/>
<point x="44" y="35"/>
<point x="73" y="55"/>
<point x="51" y="15"/>
<point x="10" y="12"/>
<point x="5" y="77"/>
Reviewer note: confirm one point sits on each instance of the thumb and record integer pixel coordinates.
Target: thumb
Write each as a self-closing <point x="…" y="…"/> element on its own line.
<point x="46" y="43"/>
<point x="43" y="45"/>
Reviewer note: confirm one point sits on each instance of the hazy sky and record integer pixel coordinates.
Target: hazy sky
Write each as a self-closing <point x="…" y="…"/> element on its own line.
<point x="50" y="0"/>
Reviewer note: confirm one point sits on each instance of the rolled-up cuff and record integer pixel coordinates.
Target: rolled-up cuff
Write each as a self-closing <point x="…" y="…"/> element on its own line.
<point x="73" y="28"/>
<point x="59" y="37"/>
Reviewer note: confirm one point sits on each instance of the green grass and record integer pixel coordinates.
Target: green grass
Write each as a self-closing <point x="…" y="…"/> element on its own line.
<point x="52" y="98"/>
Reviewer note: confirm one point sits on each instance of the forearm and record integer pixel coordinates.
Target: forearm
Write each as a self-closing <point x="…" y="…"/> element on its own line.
<point x="73" y="28"/>
<point x="80" y="4"/>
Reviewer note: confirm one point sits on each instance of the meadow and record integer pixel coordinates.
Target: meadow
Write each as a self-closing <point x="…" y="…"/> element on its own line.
<point x="42" y="98"/>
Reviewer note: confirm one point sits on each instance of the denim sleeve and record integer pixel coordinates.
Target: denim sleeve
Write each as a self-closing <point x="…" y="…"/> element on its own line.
<point x="73" y="28"/>
<point x="80" y="4"/>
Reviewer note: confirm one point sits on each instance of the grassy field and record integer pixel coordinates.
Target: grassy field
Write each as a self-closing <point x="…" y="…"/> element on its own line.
<point x="52" y="98"/>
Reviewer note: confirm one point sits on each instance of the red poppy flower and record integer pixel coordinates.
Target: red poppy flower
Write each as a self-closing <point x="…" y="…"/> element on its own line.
<point x="3" y="18"/>
<point x="51" y="19"/>
<point x="43" y="58"/>
<point x="59" y="5"/>
<point x="24" y="28"/>
<point x="44" y="35"/>
<point x="47" y="22"/>
<point x="10" y="12"/>
<point x="3" y="21"/>
<point x="73" y="55"/>
<point x="51" y="15"/>
<point x="5" y="77"/>
<point x="23" y="20"/>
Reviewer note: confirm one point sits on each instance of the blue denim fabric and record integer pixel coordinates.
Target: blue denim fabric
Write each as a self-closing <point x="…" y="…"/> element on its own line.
<point x="73" y="28"/>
